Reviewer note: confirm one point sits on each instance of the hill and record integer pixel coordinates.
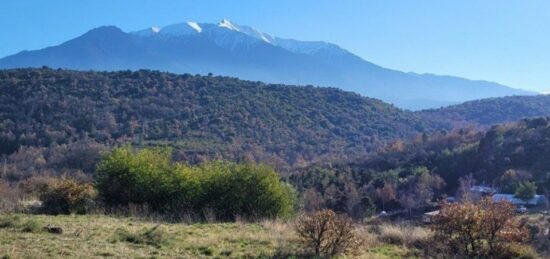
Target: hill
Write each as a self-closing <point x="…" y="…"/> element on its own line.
<point x="491" y="111"/>
<point x="241" y="51"/>
<point x="410" y="175"/>
<point x="200" y="116"/>
<point x="503" y="156"/>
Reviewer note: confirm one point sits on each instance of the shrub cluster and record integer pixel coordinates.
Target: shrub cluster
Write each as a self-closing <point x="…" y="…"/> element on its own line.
<point x="148" y="177"/>
<point x="66" y="196"/>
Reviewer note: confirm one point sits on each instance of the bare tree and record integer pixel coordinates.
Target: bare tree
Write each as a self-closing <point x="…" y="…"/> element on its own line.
<point x="465" y="185"/>
<point x="419" y="190"/>
<point x="312" y="200"/>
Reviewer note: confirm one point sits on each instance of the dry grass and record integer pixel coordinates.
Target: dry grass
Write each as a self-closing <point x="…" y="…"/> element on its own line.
<point x="93" y="236"/>
<point x="403" y="234"/>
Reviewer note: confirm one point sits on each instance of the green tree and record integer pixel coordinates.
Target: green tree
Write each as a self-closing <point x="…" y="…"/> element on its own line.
<point x="526" y="190"/>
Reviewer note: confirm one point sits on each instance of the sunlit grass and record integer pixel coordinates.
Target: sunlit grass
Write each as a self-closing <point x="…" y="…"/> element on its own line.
<point x="93" y="236"/>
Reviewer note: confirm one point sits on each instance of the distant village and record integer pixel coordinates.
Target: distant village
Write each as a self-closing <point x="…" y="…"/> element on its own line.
<point x="535" y="203"/>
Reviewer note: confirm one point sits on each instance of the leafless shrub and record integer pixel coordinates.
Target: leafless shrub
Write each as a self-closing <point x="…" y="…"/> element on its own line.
<point x="325" y="233"/>
<point x="485" y="229"/>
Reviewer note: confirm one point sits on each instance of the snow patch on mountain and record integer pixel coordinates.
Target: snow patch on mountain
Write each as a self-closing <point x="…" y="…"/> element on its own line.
<point x="195" y="26"/>
<point x="229" y="34"/>
<point x="155" y="29"/>
<point x="227" y="24"/>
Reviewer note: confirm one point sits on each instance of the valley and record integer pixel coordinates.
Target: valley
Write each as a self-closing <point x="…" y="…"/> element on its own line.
<point x="351" y="129"/>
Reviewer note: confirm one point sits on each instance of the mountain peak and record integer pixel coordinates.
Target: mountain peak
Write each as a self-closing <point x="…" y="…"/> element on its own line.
<point x="106" y="28"/>
<point x="104" y="31"/>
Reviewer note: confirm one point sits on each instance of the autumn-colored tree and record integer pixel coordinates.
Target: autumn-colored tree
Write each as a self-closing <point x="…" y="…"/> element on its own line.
<point x="326" y="233"/>
<point x="386" y="194"/>
<point x="486" y="229"/>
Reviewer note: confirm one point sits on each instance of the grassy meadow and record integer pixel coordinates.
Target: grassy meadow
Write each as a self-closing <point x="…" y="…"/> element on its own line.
<point x="97" y="236"/>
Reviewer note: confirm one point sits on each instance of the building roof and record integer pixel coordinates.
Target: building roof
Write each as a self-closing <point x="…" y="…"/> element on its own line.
<point x="432" y="213"/>
<point x="482" y="189"/>
<point x="537" y="199"/>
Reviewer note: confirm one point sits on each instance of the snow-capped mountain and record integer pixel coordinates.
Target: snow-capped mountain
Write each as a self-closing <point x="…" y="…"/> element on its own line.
<point x="226" y="48"/>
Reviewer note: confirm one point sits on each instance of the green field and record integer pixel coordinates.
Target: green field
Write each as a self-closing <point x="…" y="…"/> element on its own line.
<point x="93" y="236"/>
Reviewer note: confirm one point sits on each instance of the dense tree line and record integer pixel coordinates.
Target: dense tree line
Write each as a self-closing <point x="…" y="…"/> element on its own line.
<point x="202" y="117"/>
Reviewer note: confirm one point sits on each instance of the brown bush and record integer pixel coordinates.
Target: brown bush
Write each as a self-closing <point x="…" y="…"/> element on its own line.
<point x="325" y="233"/>
<point x="65" y="196"/>
<point x="485" y="229"/>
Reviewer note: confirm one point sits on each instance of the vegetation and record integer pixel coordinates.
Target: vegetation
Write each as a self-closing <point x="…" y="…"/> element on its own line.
<point x="526" y="190"/>
<point x="325" y="233"/>
<point x="491" y="111"/>
<point x="338" y="151"/>
<point x="154" y="236"/>
<point x="405" y="234"/>
<point x="485" y="229"/>
<point x="506" y="156"/>
<point x="46" y="111"/>
<point x="65" y="196"/>
<point x="221" y="189"/>
<point x="95" y="236"/>
<point x="358" y="194"/>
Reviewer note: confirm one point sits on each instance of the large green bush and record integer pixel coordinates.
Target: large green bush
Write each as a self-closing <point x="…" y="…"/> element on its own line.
<point x="244" y="190"/>
<point x="126" y="176"/>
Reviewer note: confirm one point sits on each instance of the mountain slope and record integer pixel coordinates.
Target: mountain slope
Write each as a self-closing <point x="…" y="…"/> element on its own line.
<point x="229" y="49"/>
<point x="487" y="112"/>
<point x="198" y="115"/>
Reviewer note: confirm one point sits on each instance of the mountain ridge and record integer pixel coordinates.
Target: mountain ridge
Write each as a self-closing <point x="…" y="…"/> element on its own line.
<point x="241" y="51"/>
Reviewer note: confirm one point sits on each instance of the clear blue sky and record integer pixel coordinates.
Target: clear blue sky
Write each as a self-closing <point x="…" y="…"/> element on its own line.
<point x="507" y="41"/>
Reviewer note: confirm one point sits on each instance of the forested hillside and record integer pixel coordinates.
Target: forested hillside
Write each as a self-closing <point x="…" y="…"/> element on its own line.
<point x="504" y="156"/>
<point x="46" y="115"/>
<point x="487" y="112"/>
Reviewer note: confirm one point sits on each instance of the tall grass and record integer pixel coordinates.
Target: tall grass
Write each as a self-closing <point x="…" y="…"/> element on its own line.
<point x="403" y="234"/>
